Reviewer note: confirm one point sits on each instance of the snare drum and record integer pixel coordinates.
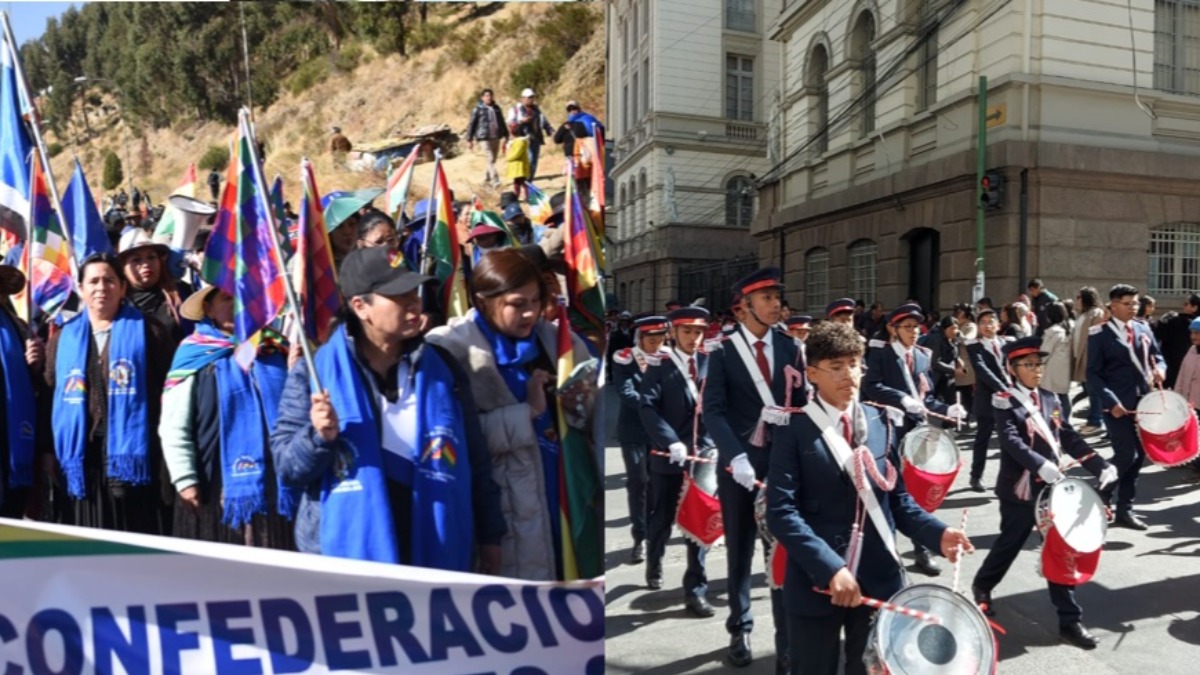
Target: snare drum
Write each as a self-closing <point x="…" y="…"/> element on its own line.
<point x="776" y="554"/>
<point x="1167" y="428"/>
<point x="1074" y="524"/>
<point x="699" y="513"/>
<point x="962" y="644"/>
<point x="930" y="464"/>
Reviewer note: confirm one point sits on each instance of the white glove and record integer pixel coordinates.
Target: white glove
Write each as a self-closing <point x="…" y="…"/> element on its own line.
<point x="1049" y="472"/>
<point x="743" y="473"/>
<point x="957" y="412"/>
<point x="896" y="417"/>
<point x="678" y="453"/>
<point x="912" y="406"/>
<point x="1108" y="476"/>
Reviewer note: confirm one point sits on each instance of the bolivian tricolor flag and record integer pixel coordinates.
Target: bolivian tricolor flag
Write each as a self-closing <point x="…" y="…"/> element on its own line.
<point x="445" y="251"/>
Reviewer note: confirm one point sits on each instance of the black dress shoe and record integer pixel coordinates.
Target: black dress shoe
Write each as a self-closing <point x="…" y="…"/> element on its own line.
<point x="740" y="655"/>
<point x="698" y="605"/>
<point x="977" y="485"/>
<point x="1077" y="635"/>
<point x="984" y="600"/>
<point x="783" y="665"/>
<point x="654" y="579"/>
<point x="1129" y="520"/>
<point x="638" y="554"/>
<point x="925" y="564"/>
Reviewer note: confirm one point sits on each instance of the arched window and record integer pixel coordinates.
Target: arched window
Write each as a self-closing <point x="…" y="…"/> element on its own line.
<point x="861" y="261"/>
<point x="816" y="279"/>
<point x="739" y="202"/>
<point x="861" y="52"/>
<point x="818" y="68"/>
<point x="1174" y="259"/>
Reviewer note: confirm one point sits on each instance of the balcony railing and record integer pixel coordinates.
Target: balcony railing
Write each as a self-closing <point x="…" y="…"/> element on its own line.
<point x="743" y="132"/>
<point x="739" y="19"/>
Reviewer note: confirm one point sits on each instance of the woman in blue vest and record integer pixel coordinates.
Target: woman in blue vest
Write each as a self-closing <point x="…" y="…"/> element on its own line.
<point x="107" y="367"/>
<point x="22" y="432"/>
<point x="215" y="425"/>
<point x="388" y="453"/>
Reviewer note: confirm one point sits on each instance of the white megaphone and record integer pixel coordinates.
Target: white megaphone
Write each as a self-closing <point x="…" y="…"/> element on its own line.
<point x="191" y="214"/>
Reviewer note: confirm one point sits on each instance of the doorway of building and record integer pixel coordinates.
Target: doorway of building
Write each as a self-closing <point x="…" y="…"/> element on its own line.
<point x="924" y="274"/>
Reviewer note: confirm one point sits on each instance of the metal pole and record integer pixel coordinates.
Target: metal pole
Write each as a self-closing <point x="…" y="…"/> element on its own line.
<point x="1022" y="255"/>
<point x="246" y="59"/>
<point x="36" y="126"/>
<point x="980" y="171"/>
<point x="293" y="303"/>
<point x="426" y="263"/>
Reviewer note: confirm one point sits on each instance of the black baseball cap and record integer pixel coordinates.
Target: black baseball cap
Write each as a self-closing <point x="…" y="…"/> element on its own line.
<point x="377" y="270"/>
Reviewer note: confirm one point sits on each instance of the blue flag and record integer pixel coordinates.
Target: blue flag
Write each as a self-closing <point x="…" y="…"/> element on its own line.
<point x="15" y="149"/>
<point x="84" y="225"/>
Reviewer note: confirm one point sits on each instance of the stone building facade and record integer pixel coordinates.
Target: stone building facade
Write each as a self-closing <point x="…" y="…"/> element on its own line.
<point x="876" y="194"/>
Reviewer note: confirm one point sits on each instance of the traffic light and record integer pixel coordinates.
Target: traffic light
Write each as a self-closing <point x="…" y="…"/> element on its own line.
<point x="992" y="196"/>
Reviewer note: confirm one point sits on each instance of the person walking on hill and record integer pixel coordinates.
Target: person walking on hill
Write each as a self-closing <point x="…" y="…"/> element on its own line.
<point x="487" y="126"/>
<point x="531" y="123"/>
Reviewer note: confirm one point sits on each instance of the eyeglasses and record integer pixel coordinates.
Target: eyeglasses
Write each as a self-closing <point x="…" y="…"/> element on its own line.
<point x="1127" y="304"/>
<point x="1032" y="366"/>
<point x="843" y="372"/>
<point x="908" y="327"/>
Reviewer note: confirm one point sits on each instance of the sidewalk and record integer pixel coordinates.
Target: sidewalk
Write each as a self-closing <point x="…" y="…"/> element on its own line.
<point x="1144" y="603"/>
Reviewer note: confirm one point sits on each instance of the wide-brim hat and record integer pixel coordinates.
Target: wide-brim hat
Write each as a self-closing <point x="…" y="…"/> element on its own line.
<point x="12" y="280"/>
<point x="135" y="239"/>
<point x="339" y="206"/>
<point x="192" y="309"/>
<point x="484" y="229"/>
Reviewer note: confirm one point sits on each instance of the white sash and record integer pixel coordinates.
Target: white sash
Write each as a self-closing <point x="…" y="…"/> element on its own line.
<point x="687" y="377"/>
<point x="743" y="350"/>
<point x="1143" y="365"/>
<point x="639" y="357"/>
<point x="1039" y="423"/>
<point x="844" y="456"/>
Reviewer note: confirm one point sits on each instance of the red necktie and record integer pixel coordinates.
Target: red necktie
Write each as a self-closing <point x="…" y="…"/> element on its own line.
<point x="908" y="361"/>
<point x="1129" y="332"/>
<point x="846" y="429"/>
<point x="761" y="357"/>
<point x="1036" y="404"/>
<point x="692" y="367"/>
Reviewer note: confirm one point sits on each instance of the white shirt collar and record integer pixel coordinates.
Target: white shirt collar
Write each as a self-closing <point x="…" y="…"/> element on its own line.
<point x="1120" y="324"/>
<point x="829" y="406"/>
<point x="900" y="348"/>
<point x="750" y="339"/>
<point x="684" y="356"/>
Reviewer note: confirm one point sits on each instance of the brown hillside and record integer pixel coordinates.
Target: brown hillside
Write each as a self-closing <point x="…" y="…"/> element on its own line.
<point x="381" y="98"/>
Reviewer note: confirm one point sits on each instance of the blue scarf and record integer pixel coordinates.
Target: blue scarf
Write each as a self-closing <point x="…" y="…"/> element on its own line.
<point x="128" y="435"/>
<point x="20" y="409"/>
<point x="513" y="358"/>
<point x="247" y="408"/>
<point x="356" y="517"/>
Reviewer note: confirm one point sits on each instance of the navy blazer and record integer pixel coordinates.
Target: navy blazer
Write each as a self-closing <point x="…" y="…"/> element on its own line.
<point x="627" y="376"/>
<point x="669" y="412"/>
<point x="990" y="376"/>
<point x="1020" y="453"/>
<point x="1111" y="372"/>
<point x="811" y="507"/>
<point x="731" y="401"/>
<point x="885" y="383"/>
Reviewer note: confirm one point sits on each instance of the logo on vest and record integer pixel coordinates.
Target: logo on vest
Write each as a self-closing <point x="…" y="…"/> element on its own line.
<point x="120" y="379"/>
<point x="344" y="466"/>
<point x="440" y="449"/>
<point x="246" y="466"/>
<point x="74" y="387"/>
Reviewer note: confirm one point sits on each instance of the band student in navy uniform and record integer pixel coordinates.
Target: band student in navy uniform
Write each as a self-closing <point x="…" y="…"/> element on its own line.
<point x="898" y="376"/>
<point x="841" y="311"/>
<point x="1124" y="364"/>
<point x="670" y="402"/>
<point x="813" y="502"/>
<point x="1034" y="435"/>
<point x="987" y="358"/>
<point x="798" y="326"/>
<point x="746" y="384"/>
<point x="628" y="365"/>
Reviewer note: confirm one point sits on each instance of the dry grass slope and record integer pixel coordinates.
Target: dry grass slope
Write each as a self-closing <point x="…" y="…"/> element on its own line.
<point x="382" y="97"/>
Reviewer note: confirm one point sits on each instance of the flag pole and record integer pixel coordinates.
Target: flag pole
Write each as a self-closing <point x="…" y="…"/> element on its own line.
<point x="36" y="126"/>
<point x="426" y="264"/>
<point x="265" y="203"/>
<point x="26" y="253"/>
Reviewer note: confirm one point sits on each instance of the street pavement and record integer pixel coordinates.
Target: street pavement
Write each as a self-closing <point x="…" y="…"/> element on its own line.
<point x="1143" y="604"/>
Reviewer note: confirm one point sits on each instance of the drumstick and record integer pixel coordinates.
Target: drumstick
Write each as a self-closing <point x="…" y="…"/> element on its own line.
<point x="899" y="609"/>
<point x="958" y="402"/>
<point x="962" y="527"/>
<point x="757" y="483"/>
<point x="928" y="412"/>
<point x="690" y="458"/>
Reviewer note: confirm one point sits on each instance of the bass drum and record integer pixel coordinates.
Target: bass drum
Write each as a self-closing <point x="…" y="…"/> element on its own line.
<point x="962" y="644"/>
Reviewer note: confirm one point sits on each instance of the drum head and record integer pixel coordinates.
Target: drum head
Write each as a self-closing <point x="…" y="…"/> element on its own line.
<point x="705" y="473"/>
<point x="930" y="449"/>
<point x="1162" y="412"/>
<point x="961" y="645"/>
<point x="1078" y="515"/>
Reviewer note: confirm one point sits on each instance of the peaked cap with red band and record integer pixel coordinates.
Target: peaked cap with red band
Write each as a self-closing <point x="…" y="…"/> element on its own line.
<point x="798" y="320"/>
<point x="688" y="316"/>
<point x="651" y="325"/>
<point x="839" y="306"/>
<point x="1024" y="347"/>
<point x="905" y="312"/>
<point x="759" y="280"/>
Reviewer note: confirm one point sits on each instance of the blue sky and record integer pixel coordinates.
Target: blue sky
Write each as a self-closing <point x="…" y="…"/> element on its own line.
<point x="29" y="18"/>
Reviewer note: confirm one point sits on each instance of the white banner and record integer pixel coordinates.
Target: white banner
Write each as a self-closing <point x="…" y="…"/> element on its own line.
<point x="79" y="601"/>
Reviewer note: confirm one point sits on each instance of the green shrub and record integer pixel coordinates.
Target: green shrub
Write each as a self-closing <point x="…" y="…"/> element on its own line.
<point x="112" y="171"/>
<point x="216" y="158"/>
<point x="427" y="35"/>
<point x="569" y="25"/>
<point x="542" y="71"/>
<point x="54" y="149"/>
<point x="508" y="27"/>
<point x="308" y="75"/>
<point x="468" y="47"/>
<point x="347" y="57"/>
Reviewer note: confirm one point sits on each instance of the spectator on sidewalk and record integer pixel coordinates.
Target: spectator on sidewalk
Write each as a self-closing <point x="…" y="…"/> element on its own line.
<point x="1041" y="298"/>
<point x="487" y="126"/>
<point x="1090" y="313"/>
<point x="1056" y="342"/>
<point x="1174" y="336"/>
